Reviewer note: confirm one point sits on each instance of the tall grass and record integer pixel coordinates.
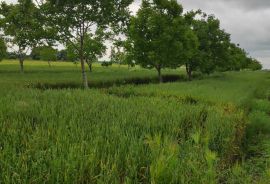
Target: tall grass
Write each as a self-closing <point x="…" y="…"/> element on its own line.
<point x="184" y="132"/>
<point x="82" y="136"/>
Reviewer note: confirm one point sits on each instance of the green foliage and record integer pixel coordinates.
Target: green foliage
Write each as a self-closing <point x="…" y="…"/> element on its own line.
<point x="72" y="54"/>
<point x="62" y="55"/>
<point x="74" y="21"/>
<point x="35" y="53"/>
<point x="254" y="64"/>
<point x="237" y="59"/>
<point x="45" y="53"/>
<point x="21" y="26"/>
<point x="12" y="55"/>
<point x="213" y="45"/>
<point x="94" y="48"/>
<point x="106" y="64"/>
<point x="122" y="53"/>
<point x="48" y="54"/>
<point x="160" y="36"/>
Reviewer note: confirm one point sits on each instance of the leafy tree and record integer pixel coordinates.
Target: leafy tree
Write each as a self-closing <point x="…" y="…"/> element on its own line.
<point x="48" y="54"/>
<point x="213" y="47"/>
<point x="74" y="20"/>
<point x="106" y="63"/>
<point x="190" y="44"/>
<point x="237" y="58"/>
<point x="35" y="53"/>
<point x="116" y="55"/>
<point x="129" y="58"/>
<point x="117" y="52"/>
<point x="72" y="53"/>
<point x="254" y="64"/>
<point x="158" y="33"/>
<point x="62" y="55"/>
<point x="93" y="49"/>
<point x="11" y="55"/>
<point x="122" y="53"/>
<point x="21" y="26"/>
<point x="3" y="49"/>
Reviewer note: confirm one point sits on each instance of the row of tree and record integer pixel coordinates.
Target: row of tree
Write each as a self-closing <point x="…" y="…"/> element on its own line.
<point x="159" y="36"/>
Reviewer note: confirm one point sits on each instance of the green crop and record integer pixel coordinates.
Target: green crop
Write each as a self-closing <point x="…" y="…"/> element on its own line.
<point x="212" y="130"/>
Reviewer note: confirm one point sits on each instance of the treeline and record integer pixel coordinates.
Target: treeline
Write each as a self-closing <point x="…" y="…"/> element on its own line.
<point x="159" y="36"/>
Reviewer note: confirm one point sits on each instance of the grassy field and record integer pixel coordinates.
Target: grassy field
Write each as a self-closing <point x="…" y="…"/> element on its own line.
<point x="215" y="129"/>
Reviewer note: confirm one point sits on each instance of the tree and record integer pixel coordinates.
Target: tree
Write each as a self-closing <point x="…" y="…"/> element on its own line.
<point x="21" y="27"/>
<point x="254" y="64"/>
<point x="122" y="53"/>
<point x="213" y="47"/>
<point x="158" y="33"/>
<point x="35" y="53"/>
<point x="117" y="53"/>
<point x="237" y="58"/>
<point x="93" y="49"/>
<point x="74" y="20"/>
<point x="48" y="54"/>
<point x="72" y="53"/>
<point x="3" y="49"/>
<point x="62" y="55"/>
<point x="128" y="52"/>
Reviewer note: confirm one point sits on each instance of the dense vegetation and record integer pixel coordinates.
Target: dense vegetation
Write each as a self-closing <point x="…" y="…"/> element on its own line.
<point x="212" y="130"/>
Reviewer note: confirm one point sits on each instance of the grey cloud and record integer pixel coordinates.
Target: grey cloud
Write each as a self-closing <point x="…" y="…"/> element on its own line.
<point x="250" y="4"/>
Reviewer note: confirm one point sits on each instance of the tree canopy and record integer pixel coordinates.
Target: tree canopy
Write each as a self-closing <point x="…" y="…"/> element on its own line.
<point x="21" y="25"/>
<point x="160" y="35"/>
<point x="48" y="54"/>
<point x="74" y="20"/>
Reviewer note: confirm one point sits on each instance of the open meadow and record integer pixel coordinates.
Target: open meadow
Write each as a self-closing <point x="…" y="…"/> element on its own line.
<point x="127" y="128"/>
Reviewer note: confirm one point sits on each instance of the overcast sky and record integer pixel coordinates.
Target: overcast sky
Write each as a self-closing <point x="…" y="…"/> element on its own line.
<point x="246" y="20"/>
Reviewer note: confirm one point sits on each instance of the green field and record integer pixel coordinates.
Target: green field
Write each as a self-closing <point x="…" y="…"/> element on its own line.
<point x="215" y="129"/>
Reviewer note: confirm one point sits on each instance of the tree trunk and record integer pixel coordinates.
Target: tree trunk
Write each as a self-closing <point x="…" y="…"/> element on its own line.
<point x="49" y="63"/>
<point x="21" y="59"/>
<point x="159" y="74"/>
<point x="89" y="65"/>
<point x="189" y="72"/>
<point x="84" y="76"/>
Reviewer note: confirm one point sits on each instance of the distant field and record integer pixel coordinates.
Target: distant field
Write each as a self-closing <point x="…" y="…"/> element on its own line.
<point x="39" y="71"/>
<point x="214" y="129"/>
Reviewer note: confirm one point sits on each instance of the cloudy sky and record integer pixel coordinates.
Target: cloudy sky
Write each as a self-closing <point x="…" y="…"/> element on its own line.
<point x="246" y="20"/>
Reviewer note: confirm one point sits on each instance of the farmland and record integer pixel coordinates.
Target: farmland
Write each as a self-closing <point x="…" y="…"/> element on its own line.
<point x="214" y="129"/>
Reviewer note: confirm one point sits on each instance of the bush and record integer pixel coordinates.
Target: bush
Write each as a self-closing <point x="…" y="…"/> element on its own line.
<point x="106" y="64"/>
